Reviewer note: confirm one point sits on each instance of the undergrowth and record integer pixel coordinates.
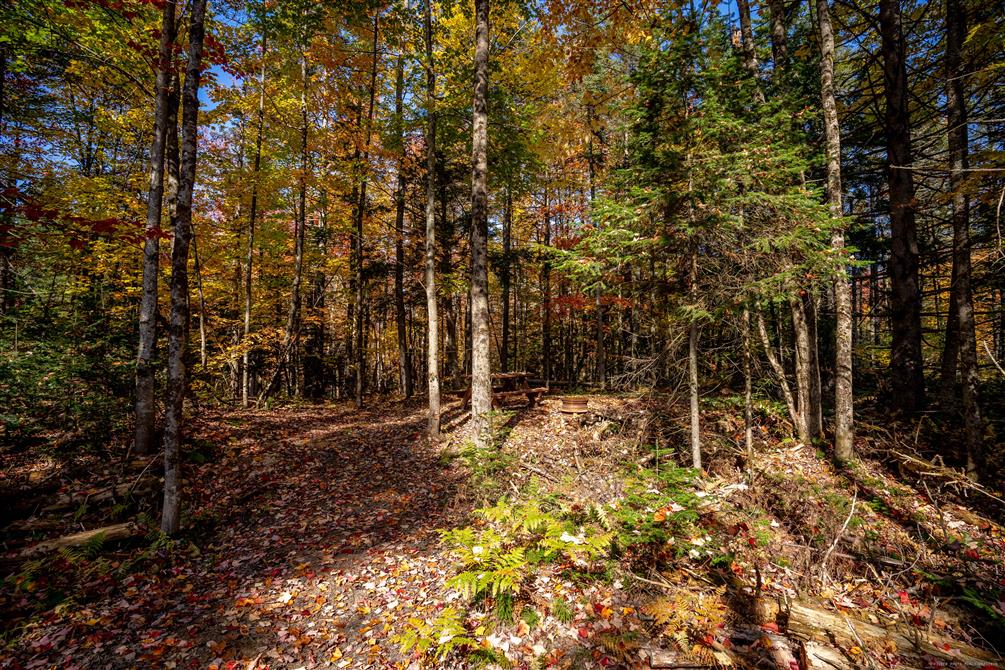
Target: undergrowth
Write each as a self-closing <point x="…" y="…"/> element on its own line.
<point x="656" y="522"/>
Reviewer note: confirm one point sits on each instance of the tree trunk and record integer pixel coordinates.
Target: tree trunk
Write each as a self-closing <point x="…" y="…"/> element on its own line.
<point x="6" y="252"/>
<point x="598" y="305"/>
<point x="804" y="371"/>
<point x="145" y="407"/>
<point x="779" y="35"/>
<point x="692" y="368"/>
<point x="481" y="377"/>
<point x="811" y="307"/>
<point x="432" y="318"/>
<point x="747" y="37"/>
<point x="546" y="297"/>
<point x="404" y="355"/>
<point x="906" y="365"/>
<point x="692" y="387"/>
<point x="844" y="427"/>
<point x="748" y="400"/>
<point x="504" y="280"/>
<point x="360" y="216"/>
<point x="176" y="383"/>
<point x="197" y="267"/>
<point x="783" y="381"/>
<point x="292" y="337"/>
<point x="315" y="375"/>
<point x="252" y="215"/>
<point x="956" y="102"/>
<point x="949" y="362"/>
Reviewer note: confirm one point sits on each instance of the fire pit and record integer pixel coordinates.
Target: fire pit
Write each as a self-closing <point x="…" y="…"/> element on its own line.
<point x="575" y="405"/>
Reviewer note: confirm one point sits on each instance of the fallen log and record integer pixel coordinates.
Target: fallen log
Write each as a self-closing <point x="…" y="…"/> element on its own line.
<point x="817" y="656"/>
<point x="35" y="525"/>
<point x="71" y="500"/>
<point x="113" y="533"/>
<point x="914" y="645"/>
<point x="781" y="652"/>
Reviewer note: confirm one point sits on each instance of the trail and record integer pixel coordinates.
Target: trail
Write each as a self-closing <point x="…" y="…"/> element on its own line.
<point x="318" y="541"/>
<point x="311" y="540"/>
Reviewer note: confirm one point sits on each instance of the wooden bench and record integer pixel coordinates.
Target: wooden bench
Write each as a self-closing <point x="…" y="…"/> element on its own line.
<point x="532" y="395"/>
<point x="511" y="384"/>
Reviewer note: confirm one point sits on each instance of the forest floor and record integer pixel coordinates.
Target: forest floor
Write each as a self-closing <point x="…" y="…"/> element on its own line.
<point x="315" y="542"/>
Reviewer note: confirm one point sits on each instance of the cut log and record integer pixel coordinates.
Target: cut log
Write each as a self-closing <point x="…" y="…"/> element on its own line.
<point x="113" y="533"/>
<point x="914" y="645"/>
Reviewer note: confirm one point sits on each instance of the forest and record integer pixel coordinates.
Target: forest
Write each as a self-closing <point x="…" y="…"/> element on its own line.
<point x="502" y="334"/>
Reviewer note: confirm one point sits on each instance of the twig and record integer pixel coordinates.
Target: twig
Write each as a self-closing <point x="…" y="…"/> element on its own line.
<point x="837" y="538"/>
<point x="988" y="350"/>
<point x="140" y="476"/>
<point x="539" y="471"/>
<point x="938" y="508"/>
<point x="662" y="585"/>
<point x="861" y="644"/>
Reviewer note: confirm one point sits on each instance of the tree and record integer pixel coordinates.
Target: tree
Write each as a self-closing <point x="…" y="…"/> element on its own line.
<point x="292" y="336"/>
<point x="404" y="354"/>
<point x="844" y="434"/>
<point x="256" y="169"/>
<point x="359" y="216"/>
<point x="481" y="377"/>
<point x="966" y="338"/>
<point x="906" y="365"/>
<point x="176" y="382"/>
<point x="505" y="279"/>
<point x="145" y="404"/>
<point x="432" y="318"/>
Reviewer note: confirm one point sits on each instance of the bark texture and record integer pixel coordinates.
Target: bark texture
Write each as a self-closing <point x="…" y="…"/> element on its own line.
<point x="779" y="34"/>
<point x="360" y="216"/>
<point x="906" y="367"/>
<point x="176" y="383"/>
<point x="432" y="320"/>
<point x="844" y="427"/>
<point x="692" y="369"/>
<point x="804" y="371"/>
<point x="747" y="37"/>
<point x="956" y="103"/>
<point x="481" y="376"/>
<point x="505" y="281"/>
<point x="252" y="218"/>
<point x="546" y="297"/>
<point x="145" y="408"/>
<point x="404" y="353"/>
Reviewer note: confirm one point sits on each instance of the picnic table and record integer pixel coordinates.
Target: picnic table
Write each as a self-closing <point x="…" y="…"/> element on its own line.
<point x="507" y="385"/>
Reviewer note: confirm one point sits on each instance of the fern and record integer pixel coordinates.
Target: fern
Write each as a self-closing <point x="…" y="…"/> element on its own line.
<point x="437" y="638"/>
<point x="495" y="560"/>
<point x="620" y="646"/>
<point x="688" y="616"/>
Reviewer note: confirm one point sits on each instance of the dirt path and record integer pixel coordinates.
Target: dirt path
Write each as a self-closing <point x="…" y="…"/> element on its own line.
<point x="322" y="543"/>
<point x="312" y="539"/>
